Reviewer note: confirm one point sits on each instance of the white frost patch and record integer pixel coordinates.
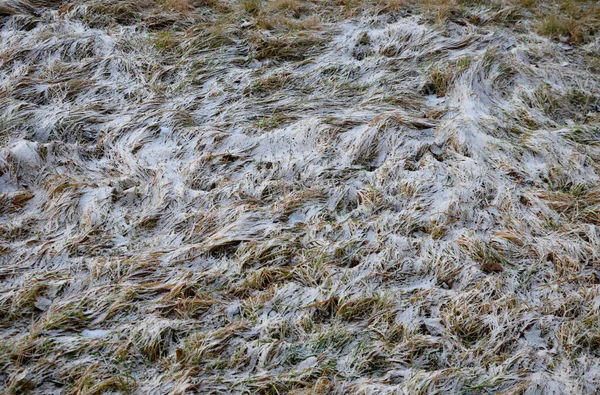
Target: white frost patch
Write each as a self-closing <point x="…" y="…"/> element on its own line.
<point x="95" y="333"/>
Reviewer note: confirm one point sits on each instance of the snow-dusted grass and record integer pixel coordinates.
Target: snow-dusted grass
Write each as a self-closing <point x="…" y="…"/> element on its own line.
<point x="297" y="196"/>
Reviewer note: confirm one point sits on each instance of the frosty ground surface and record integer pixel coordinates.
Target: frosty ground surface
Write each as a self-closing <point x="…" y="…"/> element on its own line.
<point x="299" y="197"/>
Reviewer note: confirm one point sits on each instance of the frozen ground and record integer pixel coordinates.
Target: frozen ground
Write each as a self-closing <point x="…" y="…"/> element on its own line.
<point x="299" y="197"/>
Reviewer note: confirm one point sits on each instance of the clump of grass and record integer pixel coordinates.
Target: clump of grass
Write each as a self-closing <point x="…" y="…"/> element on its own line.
<point x="490" y="260"/>
<point x="22" y="302"/>
<point x="362" y="306"/>
<point x="252" y="7"/>
<point x="390" y="6"/>
<point x="525" y="3"/>
<point x="586" y="135"/>
<point x="438" y="81"/>
<point x="286" y="24"/>
<point x="96" y="379"/>
<point x="463" y="63"/>
<point x="571" y="20"/>
<point x="32" y="347"/>
<point x="546" y="99"/>
<point x="593" y="62"/>
<point x="441" y="11"/>
<point x="461" y="10"/>
<point x="282" y="15"/>
<point x="464" y="316"/>
<point x="198" y="347"/>
<point x="271" y="121"/>
<point x="324" y="310"/>
<point x="11" y="202"/>
<point x="557" y="26"/>
<point x="292" y="47"/>
<point x="369" y="358"/>
<point x="332" y="339"/>
<point x="292" y="8"/>
<point x="153" y="338"/>
<point x="263" y="278"/>
<point x="176" y="5"/>
<point x="436" y="229"/>
<point x="575" y="21"/>
<point x="559" y="179"/>
<point x="271" y="83"/>
<point x="165" y="40"/>
<point x="69" y="316"/>
<point x="445" y="269"/>
<point x="560" y="105"/>
<point x="581" y="101"/>
<point x="577" y="204"/>
<point x="362" y="49"/>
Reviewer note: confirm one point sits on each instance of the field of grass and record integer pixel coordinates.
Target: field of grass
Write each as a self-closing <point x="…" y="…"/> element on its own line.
<point x="300" y="196"/>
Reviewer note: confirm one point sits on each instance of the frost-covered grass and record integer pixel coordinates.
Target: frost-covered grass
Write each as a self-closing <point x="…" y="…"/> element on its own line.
<point x="290" y="196"/>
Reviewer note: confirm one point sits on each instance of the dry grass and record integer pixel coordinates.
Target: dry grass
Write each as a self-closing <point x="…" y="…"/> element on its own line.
<point x="292" y="47"/>
<point x="559" y="26"/>
<point x="304" y="197"/>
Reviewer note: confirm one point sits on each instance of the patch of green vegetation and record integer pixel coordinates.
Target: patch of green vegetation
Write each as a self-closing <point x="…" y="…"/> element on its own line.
<point x="464" y="317"/>
<point x="271" y="83"/>
<point x="439" y="80"/>
<point x="165" y="40"/>
<point x="290" y="47"/>
<point x="296" y="353"/>
<point x="586" y="135"/>
<point x="464" y="62"/>
<point x="557" y="26"/>
<point x="105" y="13"/>
<point x="271" y="121"/>
<point x="575" y="20"/>
<point x="333" y="339"/>
<point x="68" y="317"/>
